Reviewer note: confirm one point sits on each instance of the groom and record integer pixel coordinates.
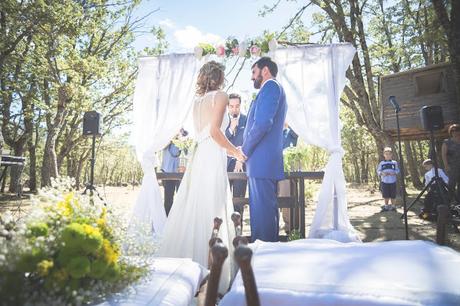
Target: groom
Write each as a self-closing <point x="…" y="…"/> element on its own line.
<point x="263" y="145"/>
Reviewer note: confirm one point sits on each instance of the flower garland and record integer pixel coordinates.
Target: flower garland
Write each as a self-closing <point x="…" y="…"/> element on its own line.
<point x="233" y="47"/>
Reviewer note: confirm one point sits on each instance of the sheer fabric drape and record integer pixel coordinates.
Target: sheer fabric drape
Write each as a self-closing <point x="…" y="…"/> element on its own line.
<point x="163" y="97"/>
<point x="313" y="78"/>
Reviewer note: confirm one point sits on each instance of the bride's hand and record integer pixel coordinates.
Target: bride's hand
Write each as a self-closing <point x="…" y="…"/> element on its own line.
<point x="239" y="155"/>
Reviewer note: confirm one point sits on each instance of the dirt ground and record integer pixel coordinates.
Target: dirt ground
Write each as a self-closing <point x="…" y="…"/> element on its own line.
<point x="364" y="205"/>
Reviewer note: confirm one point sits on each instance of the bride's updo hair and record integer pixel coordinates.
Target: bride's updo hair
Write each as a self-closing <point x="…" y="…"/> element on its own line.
<point x="211" y="77"/>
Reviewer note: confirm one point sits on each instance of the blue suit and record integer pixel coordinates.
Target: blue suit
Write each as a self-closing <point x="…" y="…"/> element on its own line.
<point x="263" y="145"/>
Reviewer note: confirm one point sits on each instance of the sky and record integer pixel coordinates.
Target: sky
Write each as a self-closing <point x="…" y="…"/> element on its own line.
<point x="188" y="23"/>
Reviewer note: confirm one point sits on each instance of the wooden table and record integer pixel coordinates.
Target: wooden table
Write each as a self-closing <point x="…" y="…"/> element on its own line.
<point x="295" y="202"/>
<point x="9" y="161"/>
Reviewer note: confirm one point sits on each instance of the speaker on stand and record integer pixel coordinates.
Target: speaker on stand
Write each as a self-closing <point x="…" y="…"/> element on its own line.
<point x="92" y="126"/>
<point x="432" y="119"/>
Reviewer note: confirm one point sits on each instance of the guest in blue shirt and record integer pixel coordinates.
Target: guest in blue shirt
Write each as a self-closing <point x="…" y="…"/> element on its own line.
<point x="289" y="137"/>
<point x="170" y="164"/>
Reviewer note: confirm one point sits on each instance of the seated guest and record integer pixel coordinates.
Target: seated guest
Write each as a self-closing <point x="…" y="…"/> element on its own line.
<point x="432" y="198"/>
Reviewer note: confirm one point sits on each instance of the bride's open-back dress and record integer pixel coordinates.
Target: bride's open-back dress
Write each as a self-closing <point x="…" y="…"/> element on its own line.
<point x="204" y="194"/>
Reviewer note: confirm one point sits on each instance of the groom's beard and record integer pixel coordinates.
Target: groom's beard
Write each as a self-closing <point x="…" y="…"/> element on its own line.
<point x="258" y="81"/>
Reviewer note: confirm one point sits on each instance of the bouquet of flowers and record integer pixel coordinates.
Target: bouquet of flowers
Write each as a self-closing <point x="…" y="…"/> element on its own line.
<point x="66" y="251"/>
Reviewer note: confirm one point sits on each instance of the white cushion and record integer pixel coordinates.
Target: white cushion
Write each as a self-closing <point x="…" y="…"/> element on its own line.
<point x="326" y="272"/>
<point x="171" y="281"/>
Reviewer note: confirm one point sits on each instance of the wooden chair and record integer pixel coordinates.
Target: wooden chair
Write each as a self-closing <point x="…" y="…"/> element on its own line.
<point x="218" y="252"/>
<point x="217" y="255"/>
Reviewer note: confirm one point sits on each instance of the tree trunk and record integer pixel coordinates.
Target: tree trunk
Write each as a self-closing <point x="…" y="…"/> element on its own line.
<point x="412" y="165"/>
<point x="16" y="171"/>
<point x="452" y="29"/>
<point x="356" y="170"/>
<point x="49" y="165"/>
<point x="364" y="168"/>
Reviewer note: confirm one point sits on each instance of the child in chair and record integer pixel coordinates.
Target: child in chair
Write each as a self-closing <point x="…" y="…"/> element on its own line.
<point x="432" y="198"/>
<point x="387" y="171"/>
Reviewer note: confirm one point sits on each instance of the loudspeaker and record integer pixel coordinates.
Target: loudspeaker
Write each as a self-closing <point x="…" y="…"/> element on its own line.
<point x="92" y="123"/>
<point x="431" y="117"/>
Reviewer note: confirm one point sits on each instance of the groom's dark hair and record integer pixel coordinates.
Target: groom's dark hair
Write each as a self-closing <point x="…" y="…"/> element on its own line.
<point x="267" y="62"/>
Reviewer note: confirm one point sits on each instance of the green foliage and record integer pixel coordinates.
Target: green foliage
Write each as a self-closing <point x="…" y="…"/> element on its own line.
<point x="294" y="235"/>
<point x="304" y="158"/>
<point x="38" y="229"/>
<point x="59" y="59"/>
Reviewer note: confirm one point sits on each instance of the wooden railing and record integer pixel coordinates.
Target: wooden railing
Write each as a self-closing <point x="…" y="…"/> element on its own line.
<point x="295" y="202"/>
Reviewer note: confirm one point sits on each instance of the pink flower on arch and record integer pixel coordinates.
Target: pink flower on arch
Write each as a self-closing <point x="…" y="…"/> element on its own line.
<point x="220" y="51"/>
<point x="255" y="50"/>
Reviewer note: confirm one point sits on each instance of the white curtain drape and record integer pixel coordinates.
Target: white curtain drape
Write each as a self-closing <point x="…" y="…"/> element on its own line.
<point x="313" y="78"/>
<point x="163" y="96"/>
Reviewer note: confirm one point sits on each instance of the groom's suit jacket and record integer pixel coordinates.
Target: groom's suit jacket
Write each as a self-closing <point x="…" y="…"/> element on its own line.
<point x="263" y="136"/>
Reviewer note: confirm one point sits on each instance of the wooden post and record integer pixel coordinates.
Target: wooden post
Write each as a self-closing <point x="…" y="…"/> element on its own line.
<point x="214" y="238"/>
<point x="302" y="207"/>
<point x="243" y="255"/>
<point x="441" y="225"/>
<point x="239" y="239"/>
<point x="219" y="253"/>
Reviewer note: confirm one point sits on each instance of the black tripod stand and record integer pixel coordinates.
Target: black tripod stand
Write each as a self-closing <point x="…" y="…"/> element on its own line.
<point x="393" y="102"/>
<point x="437" y="183"/>
<point x="90" y="186"/>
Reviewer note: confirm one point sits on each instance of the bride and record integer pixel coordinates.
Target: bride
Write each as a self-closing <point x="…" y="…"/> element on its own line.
<point x="204" y="192"/>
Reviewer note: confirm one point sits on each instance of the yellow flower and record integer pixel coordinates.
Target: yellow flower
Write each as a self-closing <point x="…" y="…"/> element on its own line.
<point x="101" y="223"/>
<point x="103" y="213"/>
<point x="66" y="206"/>
<point x="60" y="275"/>
<point x="44" y="267"/>
<point x="110" y="252"/>
<point x="90" y="230"/>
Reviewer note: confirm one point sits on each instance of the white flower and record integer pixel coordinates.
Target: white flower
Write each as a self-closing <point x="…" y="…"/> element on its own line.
<point x="243" y="49"/>
<point x="198" y="52"/>
<point x="273" y="44"/>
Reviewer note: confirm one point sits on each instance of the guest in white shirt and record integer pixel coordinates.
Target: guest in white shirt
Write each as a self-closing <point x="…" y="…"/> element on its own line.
<point x="432" y="198"/>
<point x="428" y="165"/>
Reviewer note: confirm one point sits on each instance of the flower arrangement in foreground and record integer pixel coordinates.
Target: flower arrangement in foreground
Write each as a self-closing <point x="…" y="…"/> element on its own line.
<point x="67" y="250"/>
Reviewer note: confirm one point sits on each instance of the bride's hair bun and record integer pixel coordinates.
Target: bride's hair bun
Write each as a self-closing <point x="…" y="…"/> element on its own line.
<point x="211" y="77"/>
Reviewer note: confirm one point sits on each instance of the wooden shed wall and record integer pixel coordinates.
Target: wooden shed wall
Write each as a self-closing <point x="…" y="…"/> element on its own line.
<point x="414" y="89"/>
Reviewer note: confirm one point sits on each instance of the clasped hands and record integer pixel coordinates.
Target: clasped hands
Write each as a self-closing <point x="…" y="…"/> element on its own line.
<point x="240" y="157"/>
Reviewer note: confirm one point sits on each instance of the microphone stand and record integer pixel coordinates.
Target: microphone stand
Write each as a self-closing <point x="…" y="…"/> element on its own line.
<point x="393" y="102"/>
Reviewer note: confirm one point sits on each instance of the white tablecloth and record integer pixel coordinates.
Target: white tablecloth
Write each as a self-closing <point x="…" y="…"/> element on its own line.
<point x="325" y="272"/>
<point x="172" y="281"/>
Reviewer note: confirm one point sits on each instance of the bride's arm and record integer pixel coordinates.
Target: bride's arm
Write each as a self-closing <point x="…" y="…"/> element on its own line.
<point x="218" y="113"/>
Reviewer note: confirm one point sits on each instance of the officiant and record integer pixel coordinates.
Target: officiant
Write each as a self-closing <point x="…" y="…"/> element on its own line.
<point x="234" y="132"/>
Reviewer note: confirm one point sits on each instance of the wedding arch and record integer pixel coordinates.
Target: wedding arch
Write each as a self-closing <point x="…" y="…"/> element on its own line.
<point x="313" y="77"/>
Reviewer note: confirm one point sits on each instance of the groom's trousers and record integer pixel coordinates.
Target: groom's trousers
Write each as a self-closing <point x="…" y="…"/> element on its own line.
<point x="263" y="207"/>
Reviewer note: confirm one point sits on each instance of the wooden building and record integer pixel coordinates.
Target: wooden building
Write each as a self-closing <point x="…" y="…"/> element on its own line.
<point x="413" y="89"/>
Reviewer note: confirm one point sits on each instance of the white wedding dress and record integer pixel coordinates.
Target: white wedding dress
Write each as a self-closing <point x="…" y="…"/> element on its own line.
<point x="204" y="194"/>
